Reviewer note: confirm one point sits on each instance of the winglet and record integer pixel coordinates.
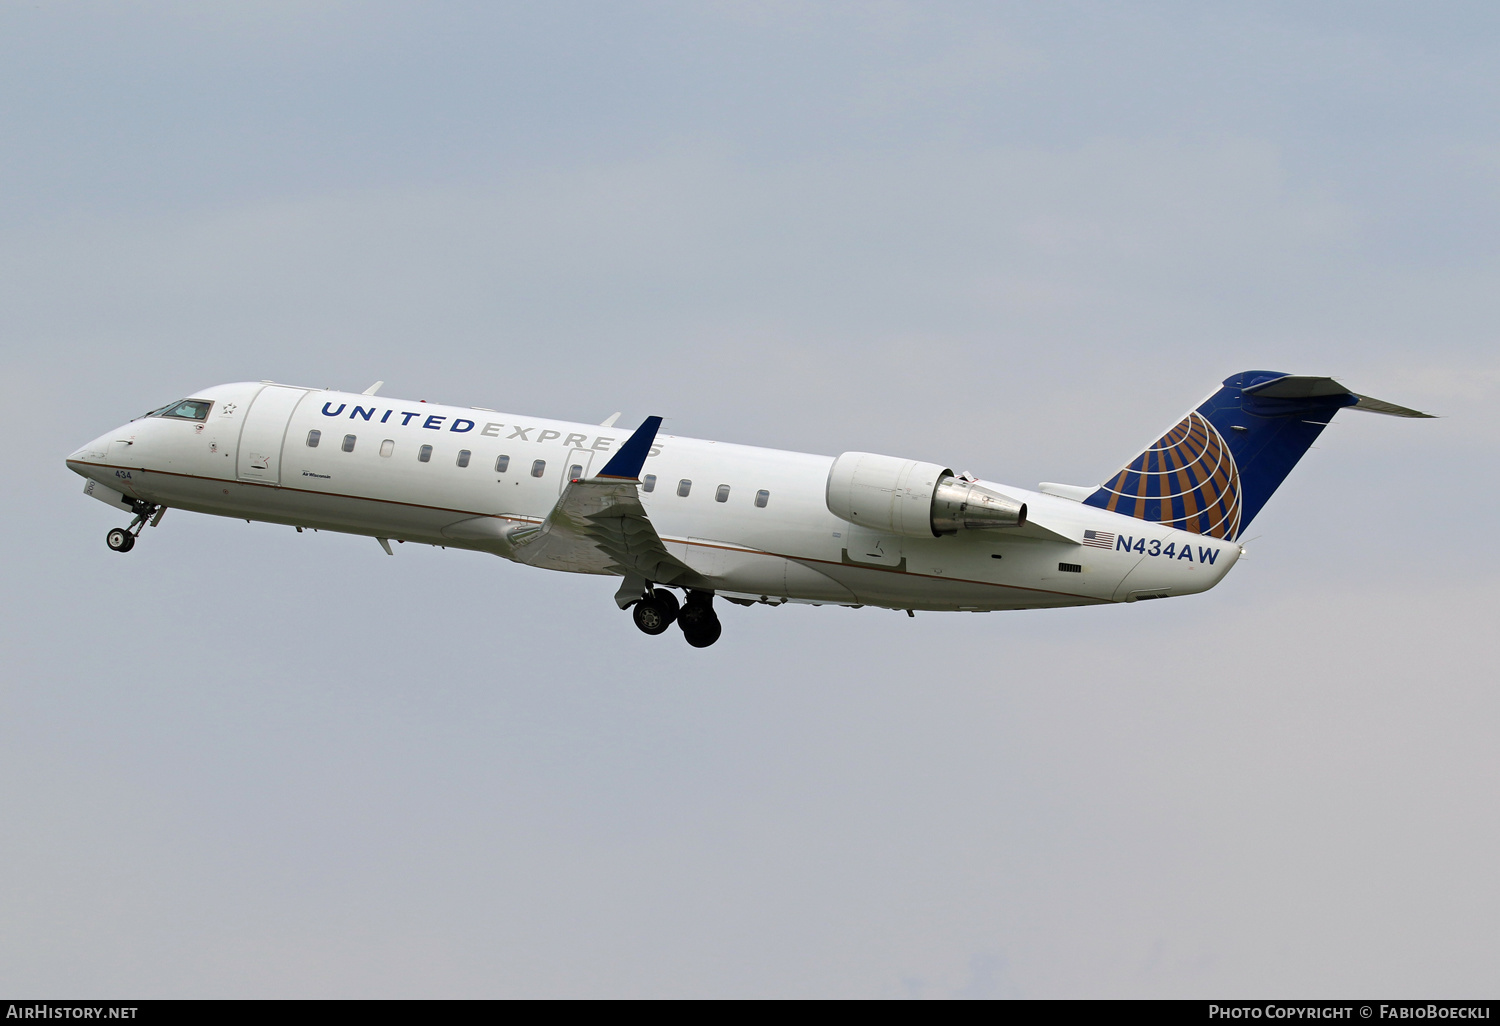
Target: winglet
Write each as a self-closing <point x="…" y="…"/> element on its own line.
<point x="631" y="457"/>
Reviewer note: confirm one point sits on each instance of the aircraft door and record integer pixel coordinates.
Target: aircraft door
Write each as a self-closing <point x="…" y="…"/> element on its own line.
<point x="264" y="433"/>
<point x="576" y="466"/>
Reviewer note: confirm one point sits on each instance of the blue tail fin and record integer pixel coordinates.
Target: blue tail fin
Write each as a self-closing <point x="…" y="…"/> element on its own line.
<point x="1212" y="473"/>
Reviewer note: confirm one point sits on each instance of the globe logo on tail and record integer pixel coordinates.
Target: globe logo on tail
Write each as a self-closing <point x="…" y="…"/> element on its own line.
<point x="1187" y="480"/>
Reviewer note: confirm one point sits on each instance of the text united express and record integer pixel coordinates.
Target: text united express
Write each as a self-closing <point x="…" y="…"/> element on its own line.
<point x="462" y="425"/>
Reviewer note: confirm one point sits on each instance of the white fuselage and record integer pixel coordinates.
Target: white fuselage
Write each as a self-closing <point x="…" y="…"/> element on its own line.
<point x="251" y="459"/>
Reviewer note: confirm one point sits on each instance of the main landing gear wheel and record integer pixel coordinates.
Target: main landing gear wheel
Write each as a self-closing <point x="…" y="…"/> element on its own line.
<point x="704" y="634"/>
<point x="120" y="540"/>
<point x="700" y="624"/>
<point x="655" y="613"/>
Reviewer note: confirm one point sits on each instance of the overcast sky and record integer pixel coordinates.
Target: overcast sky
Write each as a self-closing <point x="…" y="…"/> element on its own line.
<point x="1015" y="239"/>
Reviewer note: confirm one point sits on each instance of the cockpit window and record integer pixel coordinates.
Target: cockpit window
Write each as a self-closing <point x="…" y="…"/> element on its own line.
<point x="186" y="409"/>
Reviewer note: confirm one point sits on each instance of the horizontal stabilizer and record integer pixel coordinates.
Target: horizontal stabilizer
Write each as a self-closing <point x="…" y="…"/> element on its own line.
<point x="1381" y="406"/>
<point x="1307" y="386"/>
<point x="1296" y="386"/>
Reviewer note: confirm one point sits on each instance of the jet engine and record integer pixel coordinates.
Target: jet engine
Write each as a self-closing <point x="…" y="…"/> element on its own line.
<point x="907" y="497"/>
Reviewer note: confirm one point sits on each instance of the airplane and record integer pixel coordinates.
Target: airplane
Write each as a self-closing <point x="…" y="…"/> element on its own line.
<point x="712" y="519"/>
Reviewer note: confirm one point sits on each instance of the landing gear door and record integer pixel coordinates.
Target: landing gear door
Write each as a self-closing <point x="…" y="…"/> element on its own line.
<point x="264" y="434"/>
<point x="577" y="466"/>
<point x="872" y="547"/>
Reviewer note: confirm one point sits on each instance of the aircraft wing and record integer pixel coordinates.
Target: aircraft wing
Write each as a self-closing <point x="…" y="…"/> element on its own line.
<point x="599" y="525"/>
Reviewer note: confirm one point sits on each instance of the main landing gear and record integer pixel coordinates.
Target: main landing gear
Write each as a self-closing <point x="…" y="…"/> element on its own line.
<point x="657" y="610"/>
<point x="700" y="624"/>
<point x="122" y="539"/>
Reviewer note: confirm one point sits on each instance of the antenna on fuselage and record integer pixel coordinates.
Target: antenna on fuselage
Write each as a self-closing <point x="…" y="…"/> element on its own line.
<point x="373" y="388"/>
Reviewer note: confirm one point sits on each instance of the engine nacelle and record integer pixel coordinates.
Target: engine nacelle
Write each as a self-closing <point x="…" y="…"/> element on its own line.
<point x="908" y="497"/>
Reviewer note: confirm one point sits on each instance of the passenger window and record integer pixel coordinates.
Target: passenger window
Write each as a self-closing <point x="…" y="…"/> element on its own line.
<point x="762" y="497"/>
<point x="188" y="409"/>
<point x="502" y="464"/>
<point x="722" y="495"/>
<point x="348" y="443"/>
<point x="538" y="468"/>
<point x="313" y="438"/>
<point x="424" y="454"/>
<point x="387" y="447"/>
<point x="683" y="487"/>
<point x="648" y="483"/>
<point x="575" y="472"/>
<point x="463" y="457"/>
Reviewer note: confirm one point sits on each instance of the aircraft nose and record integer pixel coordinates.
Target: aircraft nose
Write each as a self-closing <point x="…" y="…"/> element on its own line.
<point x="94" y="452"/>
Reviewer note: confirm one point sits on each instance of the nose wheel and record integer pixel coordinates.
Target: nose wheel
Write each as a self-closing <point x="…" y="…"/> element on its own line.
<point x="122" y="539"/>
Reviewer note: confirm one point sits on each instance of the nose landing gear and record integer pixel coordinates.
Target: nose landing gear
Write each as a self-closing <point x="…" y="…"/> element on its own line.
<point x="657" y="610"/>
<point x="122" y="539"/>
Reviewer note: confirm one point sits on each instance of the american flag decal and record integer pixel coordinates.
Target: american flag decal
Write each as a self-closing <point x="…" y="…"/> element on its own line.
<point x="1099" y="539"/>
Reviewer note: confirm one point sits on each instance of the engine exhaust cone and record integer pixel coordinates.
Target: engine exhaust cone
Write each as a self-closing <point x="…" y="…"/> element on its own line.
<point x="962" y="505"/>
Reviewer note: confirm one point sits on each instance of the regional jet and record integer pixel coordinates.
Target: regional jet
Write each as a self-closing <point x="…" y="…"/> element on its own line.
<point x="668" y="514"/>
